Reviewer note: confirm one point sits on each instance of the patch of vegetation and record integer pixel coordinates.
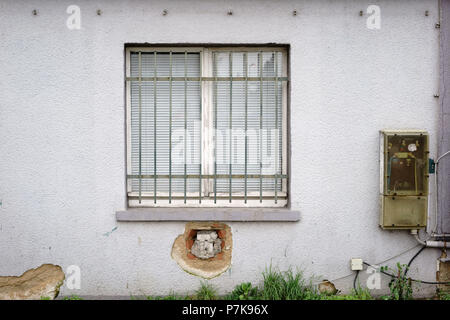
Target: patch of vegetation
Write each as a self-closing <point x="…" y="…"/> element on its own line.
<point x="284" y="285"/>
<point x="72" y="297"/>
<point x="206" y="292"/>
<point x="46" y="298"/>
<point x="359" y="294"/>
<point x="171" y="296"/>
<point x="362" y="294"/>
<point x="290" y="285"/>
<point x="244" y="291"/>
<point x="444" y="295"/>
<point x="400" y="286"/>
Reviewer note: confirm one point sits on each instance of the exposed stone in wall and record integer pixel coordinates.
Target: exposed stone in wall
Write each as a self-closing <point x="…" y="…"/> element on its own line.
<point x="327" y="287"/>
<point x="204" y="249"/>
<point x="206" y="245"/>
<point x="34" y="284"/>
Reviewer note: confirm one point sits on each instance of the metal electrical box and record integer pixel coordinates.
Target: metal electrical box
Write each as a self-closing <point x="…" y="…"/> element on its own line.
<point x="403" y="179"/>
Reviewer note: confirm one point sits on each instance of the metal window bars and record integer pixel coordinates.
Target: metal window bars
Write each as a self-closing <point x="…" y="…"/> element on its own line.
<point x="277" y="175"/>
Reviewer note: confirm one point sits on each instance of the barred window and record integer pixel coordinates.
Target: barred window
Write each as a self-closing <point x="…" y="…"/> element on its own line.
<point x="207" y="127"/>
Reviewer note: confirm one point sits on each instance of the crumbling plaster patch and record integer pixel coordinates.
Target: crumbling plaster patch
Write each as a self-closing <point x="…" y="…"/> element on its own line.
<point x="205" y="268"/>
<point x="34" y="284"/>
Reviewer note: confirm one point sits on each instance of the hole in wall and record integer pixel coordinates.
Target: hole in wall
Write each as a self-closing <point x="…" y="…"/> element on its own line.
<point x="205" y="249"/>
<point x="205" y="244"/>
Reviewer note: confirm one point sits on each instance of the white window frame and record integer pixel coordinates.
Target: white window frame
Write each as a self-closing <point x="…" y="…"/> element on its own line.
<point x="222" y="199"/>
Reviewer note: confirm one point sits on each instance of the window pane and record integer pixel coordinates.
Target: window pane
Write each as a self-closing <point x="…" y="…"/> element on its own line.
<point x="177" y="95"/>
<point x="264" y="111"/>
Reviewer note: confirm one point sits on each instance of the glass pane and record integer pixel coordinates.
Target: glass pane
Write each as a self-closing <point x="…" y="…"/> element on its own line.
<point x="180" y="96"/>
<point x="241" y="105"/>
<point x="406" y="164"/>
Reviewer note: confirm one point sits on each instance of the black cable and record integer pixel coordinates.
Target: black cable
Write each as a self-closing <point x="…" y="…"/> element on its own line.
<point x="354" y="281"/>
<point x="412" y="259"/>
<point x="421" y="281"/>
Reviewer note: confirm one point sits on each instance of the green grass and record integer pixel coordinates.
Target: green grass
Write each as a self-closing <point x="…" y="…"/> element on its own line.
<point x="171" y="296"/>
<point x="284" y="285"/>
<point x="288" y="285"/>
<point x="72" y="297"/>
<point x="444" y="296"/>
<point x="360" y="294"/>
<point x="243" y="291"/>
<point x="206" y="292"/>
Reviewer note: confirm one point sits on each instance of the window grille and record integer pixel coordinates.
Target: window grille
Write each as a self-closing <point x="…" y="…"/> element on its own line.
<point x="207" y="126"/>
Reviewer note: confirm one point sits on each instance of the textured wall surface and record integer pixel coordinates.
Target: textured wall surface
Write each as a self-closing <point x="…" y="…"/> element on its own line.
<point x="443" y="225"/>
<point x="62" y="139"/>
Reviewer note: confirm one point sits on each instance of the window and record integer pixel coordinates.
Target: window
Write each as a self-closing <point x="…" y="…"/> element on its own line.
<point x="206" y="127"/>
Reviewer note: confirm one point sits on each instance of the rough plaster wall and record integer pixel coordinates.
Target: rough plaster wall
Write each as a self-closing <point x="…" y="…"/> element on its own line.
<point x="62" y="139"/>
<point x="444" y="123"/>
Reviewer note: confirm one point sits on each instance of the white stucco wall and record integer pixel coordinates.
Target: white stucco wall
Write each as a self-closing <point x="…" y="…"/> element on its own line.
<point x="62" y="140"/>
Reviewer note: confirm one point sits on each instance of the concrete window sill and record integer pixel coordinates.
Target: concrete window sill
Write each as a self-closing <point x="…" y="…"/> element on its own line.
<point x="208" y="214"/>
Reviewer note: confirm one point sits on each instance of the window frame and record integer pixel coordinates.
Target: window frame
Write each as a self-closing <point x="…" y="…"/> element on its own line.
<point x="207" y="135"/>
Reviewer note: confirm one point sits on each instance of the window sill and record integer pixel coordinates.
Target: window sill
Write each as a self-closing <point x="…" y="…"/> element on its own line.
<point x="208" y="214"/>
